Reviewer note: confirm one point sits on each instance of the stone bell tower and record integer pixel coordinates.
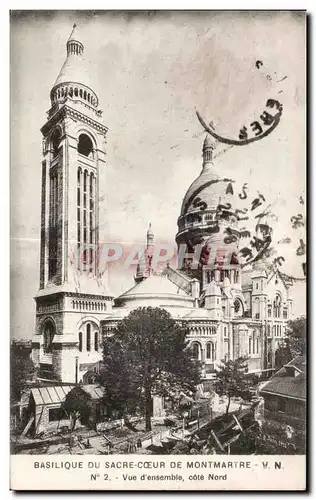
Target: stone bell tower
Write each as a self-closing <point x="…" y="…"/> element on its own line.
<point x="72" y="297"/>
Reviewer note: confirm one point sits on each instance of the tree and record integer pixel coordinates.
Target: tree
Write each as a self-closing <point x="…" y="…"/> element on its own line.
<point x="77" y="405"/>
<point x="147" y="355"/>
<point x="294" y="342"/>
<point x="232" y="380"/>
<point x="22" y="369"/>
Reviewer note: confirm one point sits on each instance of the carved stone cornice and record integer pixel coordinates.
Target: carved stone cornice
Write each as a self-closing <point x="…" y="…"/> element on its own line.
<point x="67" y="111"/>
<point x="50" y="298"/>
<point x="90" y="296"/>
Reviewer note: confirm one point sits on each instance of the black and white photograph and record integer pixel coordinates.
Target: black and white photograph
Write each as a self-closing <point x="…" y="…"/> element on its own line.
<point x="158" y="249"/>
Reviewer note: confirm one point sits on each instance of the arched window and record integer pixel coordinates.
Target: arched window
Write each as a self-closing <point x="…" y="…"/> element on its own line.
<point x="48" y="335"/>
<point x="85" y="146"/>
<point x="56" y="136"/>
<point x="96" y="341"/>
<point x="237" y="307"/>
<point x="257" y="308"/>
<point x="53" y="215"/>
<point x="84" y="254"/>
<point x="80" y="342"/>
<point x="79" y="182"/>
<point x="195" y="351"/>
<point x="88" y="337"/>
<point x="91" y="219"/>
<point x="277" y="306"/>
<point x="210" y="351"/>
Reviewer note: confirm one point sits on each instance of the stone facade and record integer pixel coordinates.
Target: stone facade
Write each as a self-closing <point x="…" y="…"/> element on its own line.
<point x="72" y="296"/>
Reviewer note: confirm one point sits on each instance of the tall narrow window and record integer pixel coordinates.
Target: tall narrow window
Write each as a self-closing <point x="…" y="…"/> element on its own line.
<point x="88" y="337"/>
<point x="277" y="307"/>
<point x="48" y="335"/>
<point x="85" y="179"/>
<point x="56" y="141"/>
<point x="210" y="351"/>
<point x="257" y="345"/>
<point x="53" y="212"/>
<point x="91" y="221"/>
<point x="249" y="347"/>
<point x="195" y="350"/>
<point x="79" y="181"/>
<point x="80" y="341"/>
<point x="257" y="308"/>
<point x="96" y="341"/>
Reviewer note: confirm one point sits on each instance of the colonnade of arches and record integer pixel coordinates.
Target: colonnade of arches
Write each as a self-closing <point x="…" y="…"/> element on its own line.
<point x="74" y="92"/>
<point x="203" y="353"/>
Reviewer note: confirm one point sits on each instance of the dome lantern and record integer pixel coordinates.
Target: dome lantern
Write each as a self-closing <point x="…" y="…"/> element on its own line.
<point x="208" y="148"/>
<point x="73" y="45"/>
<point x="150" y="235"/>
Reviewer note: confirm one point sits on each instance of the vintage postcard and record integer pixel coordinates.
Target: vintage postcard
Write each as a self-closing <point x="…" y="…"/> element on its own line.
<point x="158" y="250"/>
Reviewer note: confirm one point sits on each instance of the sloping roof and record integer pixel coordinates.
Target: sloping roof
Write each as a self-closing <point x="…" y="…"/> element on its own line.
<point x="57" y="394"/>
<point x="178" y="278"/>
<point x="199" y="313"/>
<point x="287" y="385"/>
<point x="50" y="394"/>
<point x="156" y="285"/>
<point x="74" y="69"/>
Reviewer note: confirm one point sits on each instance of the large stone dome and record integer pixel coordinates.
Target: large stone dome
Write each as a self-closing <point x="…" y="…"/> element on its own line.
<point x="210" y="188"/>
<point x="199" y="218"/>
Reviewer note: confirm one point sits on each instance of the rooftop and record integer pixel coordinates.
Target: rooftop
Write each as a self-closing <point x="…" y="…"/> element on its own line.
<point x="290" y="381"/>
<point x="57" y="394"/>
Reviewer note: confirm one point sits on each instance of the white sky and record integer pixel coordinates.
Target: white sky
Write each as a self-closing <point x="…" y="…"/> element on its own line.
<point x="150" y="73"/>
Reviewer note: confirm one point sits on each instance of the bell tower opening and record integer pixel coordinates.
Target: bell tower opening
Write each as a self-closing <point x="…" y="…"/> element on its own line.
<point x="85" y="146"/>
